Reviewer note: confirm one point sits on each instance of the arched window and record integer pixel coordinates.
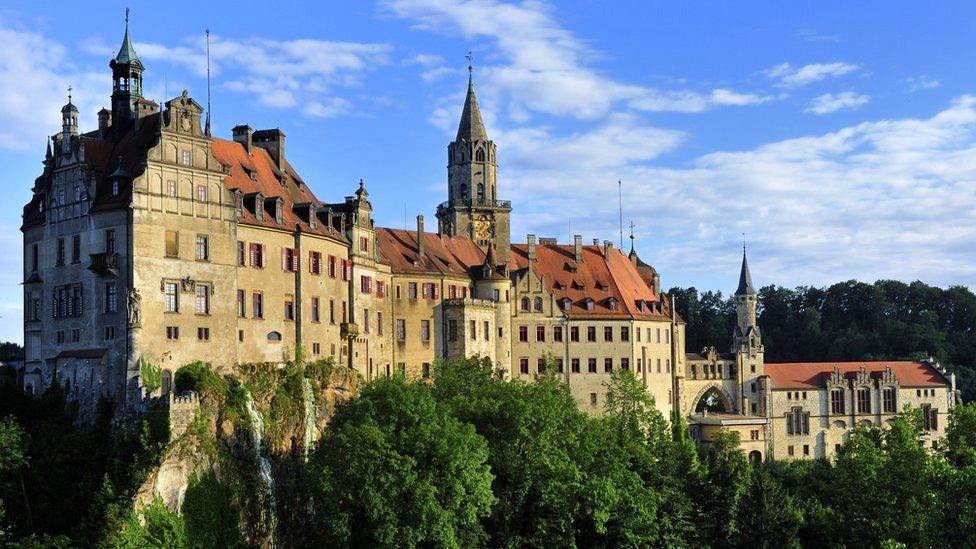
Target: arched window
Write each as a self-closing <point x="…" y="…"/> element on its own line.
<point x="464" y="192"/>
<point x="713" y="401"/>
<point x="479" y="156"/>
<point x="481" y="191"/>
<point x="525" y="304"/>
<point x="537" y="305"/>
<point x="274" y="336"/>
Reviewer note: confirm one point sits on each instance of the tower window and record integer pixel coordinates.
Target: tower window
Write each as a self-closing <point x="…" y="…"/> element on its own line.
<point x="481" y="191"/>
<point x="479" y="156"/>
<point x="464" y="192"/>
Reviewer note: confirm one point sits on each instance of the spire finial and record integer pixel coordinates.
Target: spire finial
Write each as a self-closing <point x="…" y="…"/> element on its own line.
<point x="632" y="236"/>
<point x="126" y="18"/>
<point x="69" y="93"/>
<point x="743" y="243"/>
<point x="207" y="130"/>
<point x="470" y="59"/>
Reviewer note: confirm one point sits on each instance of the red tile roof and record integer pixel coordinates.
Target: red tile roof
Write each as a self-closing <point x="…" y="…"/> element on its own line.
<point x="271" y="183"/>
<point x="812" y="375"/>
<point x="598" y="277"/>
<point x="442" y="254"/>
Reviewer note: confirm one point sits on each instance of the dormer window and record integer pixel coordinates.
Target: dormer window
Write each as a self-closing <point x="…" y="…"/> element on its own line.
<point x="600" y="285"/>
<point x="577" y="285"/>
<point x="238" y="203"/>
<point x="612" y="304"/>
<point x="279" y="214"/>
<point x="566" y="304"/>
<point x="559" y="285"/>
<point x="115" y="188"/>
<point x="588" y="303"/>
<point x="640" y="306"/>
<point x="311" y="216"/>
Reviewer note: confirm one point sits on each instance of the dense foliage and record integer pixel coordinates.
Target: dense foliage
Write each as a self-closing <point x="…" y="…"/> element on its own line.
<point x="848" y="321"/>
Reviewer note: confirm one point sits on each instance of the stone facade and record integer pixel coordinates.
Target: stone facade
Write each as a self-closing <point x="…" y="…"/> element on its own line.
<point x="150" y="240"/>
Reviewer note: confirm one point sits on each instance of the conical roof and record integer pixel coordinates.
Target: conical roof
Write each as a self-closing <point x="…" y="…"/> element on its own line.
<point x="127" y="54"/>
<point x="745" y="278"/>
<point x="471" y="127"/>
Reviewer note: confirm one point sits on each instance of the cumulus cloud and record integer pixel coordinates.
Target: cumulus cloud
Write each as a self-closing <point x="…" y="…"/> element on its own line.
<point x="546" y="68"/>
<point x="788" y="76"/>
<point x="883" y="199"/>
<point x="828" y="102"/>
<point x="279" y="73"/>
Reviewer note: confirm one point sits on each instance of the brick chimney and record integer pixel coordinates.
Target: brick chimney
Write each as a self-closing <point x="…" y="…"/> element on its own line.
<point x="578" y="247"/>
<point x="243" y="135"/>
<point x="420" y="237"/>
<point x="530" y="249"/>
<point x="273" y="141"/>
<point x="104" y="121"/>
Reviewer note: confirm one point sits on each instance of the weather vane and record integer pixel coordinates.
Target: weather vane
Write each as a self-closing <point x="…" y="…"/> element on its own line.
<point x="69" y="93"/>
<point x="469" y="57"/>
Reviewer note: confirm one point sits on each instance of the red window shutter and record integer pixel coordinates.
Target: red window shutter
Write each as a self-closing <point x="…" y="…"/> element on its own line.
<point x="437" y="290"/>
<point x="251" y="252"/>
<point x="263" y="255"/>
<point x="311" y="262"/>
<point x="294" y="260"/>
<point x="284" y="259"/>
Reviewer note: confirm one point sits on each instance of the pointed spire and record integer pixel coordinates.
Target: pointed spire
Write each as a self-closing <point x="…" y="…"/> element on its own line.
<point x="745" y="278"/>
<point x="472" y="127"/>
<point x="490" y="256"/>
<point x="127" y="54"/>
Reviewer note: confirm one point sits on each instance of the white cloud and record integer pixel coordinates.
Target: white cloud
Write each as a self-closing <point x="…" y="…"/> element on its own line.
<point x="788" y="76"/>
<point x="828" y="102"/>
<point x="546" y="68"/>
<point x="883" y="199"/>
<point x="279" y="73"/>
<point x="921" y="83"/>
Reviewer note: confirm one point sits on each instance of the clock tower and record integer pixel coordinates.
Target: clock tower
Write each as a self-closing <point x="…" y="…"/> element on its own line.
<point x="473" y="208"/>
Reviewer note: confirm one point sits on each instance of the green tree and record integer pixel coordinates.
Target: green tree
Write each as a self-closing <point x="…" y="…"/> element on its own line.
<point x="767" y="516"/>
<point x="722" y="488"/>
<point x="394" y="468"/>
<point x="960" y="440"/>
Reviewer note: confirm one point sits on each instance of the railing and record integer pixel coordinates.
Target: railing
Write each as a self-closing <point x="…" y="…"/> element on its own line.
<point x="104" y="263"/>
<point x="475" y="202"/>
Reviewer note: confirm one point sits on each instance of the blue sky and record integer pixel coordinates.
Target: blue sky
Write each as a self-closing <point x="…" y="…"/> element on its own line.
<point x="838" y="136"/>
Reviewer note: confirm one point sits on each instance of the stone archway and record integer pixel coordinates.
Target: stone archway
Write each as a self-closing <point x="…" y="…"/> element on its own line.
<point x="714" y="400"/>
<point x="755" y="457"/>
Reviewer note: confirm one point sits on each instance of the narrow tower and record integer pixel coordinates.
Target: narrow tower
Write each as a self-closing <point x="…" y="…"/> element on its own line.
<point x="472" y="208"/>
<point x="126" y="82"/>
<point x="746" y="329"/>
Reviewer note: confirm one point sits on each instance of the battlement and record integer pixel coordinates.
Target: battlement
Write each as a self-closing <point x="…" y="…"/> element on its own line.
<point x="182" y="408"/>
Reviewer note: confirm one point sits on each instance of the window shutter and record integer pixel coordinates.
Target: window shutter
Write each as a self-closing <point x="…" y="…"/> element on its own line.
<point x="251" y="254"/>
<point x="294" y="260"/>
<point x="263" y="255"/>
<point x="311" y="262"/>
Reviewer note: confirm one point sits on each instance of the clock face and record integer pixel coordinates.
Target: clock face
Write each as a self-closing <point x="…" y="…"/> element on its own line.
<point x="482" y="228"/>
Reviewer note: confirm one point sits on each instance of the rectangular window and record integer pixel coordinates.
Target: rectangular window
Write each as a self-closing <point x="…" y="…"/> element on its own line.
<point x="575" y="365"/>
<point x="380" y="289"/>
<point x="289" y="260"/>
<point x="473" y="328"/>
<point x="111" y="298"/>
<point x="574" y="334"/>
<point x="315" y="309"/>
<point x="864" y="400"/>
<point x="289" y="310"/>
<point x="203" y="299"/>
<point x="203" y="248"/>
<point x="332" y="266"/>
<point x="316" y="348"/>
<point x="60" y="252"/>
<point x="379" y="323"/>
<point x="203" y="334"/>
<point x="540" y="334"/>
<point x="425" y="330"/>
<point x="425" y="370"/>
<point x="789" y="450"/>
<point x="624" y="333"/>
<point x="837" y="401"/>
<point x="331" y="311"/>
<point x="557" y="334"/>
<point x="259" y="257"/>
<point x="172" y="332"/>
<point x="202" y="193"/>
<point x="592" y="399"/>
<point x="257" y="305"/>
<point x="625" y="363"/>
<point x="109" y="241"/>
<point x="109" y="332"/>
<point x="171" y="297"/>
<point x="754" y="434"/>
<point x="76" y="248"/>
<point x="889" y="405"/>
<point x="343" y="311"/>
<point x="315" y="263"/>
<point x="930" y="418"/>
<point x="366" y="318"/>
<point x="806" y="449"/>
<point x="591" y="333"/>
<point x="452" y="330"/>
<point x="75" y="335"/>
<point x="607" y="333"/>
<point x="186" y="157"/>
<point x="560" y="365"/>
<point x="241" y="254"/>
<point x="171" y="188"/>
<point x="487" y="331"/>
<point x="523" y="334"/>
<point x="523" y="366"/>
<point x="241" y="305"/>
<point x="172" y="244"/>
<point x="591" y="365"/>
<point x="364" y="243"/>
<point x="607" y="365"/>
<point x="658" y="335"/>
<point x="366" y="284"/>
<point x="797" y="422"/>
<point x="412" y="290"/>
<point x="540" y="365"/>
<point x="659" y="365"/>
<point x="401" y="329"/>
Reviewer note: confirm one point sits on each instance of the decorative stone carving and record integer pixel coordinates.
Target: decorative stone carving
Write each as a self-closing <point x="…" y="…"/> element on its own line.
<point x="134" y="308"/>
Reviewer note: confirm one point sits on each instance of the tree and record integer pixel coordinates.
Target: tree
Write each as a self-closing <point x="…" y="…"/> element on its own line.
<point x="960" y="440"/>
<point x="395" y="468"/>
<point x="722" y="487"/>
<point x="767" y="516"/>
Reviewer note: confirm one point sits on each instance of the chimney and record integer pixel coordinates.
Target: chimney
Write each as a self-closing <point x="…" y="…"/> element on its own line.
<point x="578" y="247"/>
<point x="273" y="141"/>
<point x="420" y="237"/>
<point x="607" y="246"/>
<point x="242" y="135"/>
<point x="596" y="241"/>
<point x="104" y="121"/>
<point x="530" y="249"/>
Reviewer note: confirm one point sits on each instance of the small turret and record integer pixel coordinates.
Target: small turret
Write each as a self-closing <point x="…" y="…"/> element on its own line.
<point x="746" y="329"/>
<point x="127" y="72"/>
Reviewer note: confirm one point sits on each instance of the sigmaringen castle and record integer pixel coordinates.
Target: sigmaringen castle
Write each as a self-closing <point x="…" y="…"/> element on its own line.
<point x="147" y="239"/>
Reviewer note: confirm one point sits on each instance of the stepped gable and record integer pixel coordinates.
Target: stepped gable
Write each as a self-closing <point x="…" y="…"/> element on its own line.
<point x="443" y="254"/>
<point x="619" y="278"/>
<point x="813" y="375"/>
<point x="271" y="183"/>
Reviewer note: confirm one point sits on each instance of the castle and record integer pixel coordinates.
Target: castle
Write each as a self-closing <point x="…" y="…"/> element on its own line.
<point x="150" y="240"/>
